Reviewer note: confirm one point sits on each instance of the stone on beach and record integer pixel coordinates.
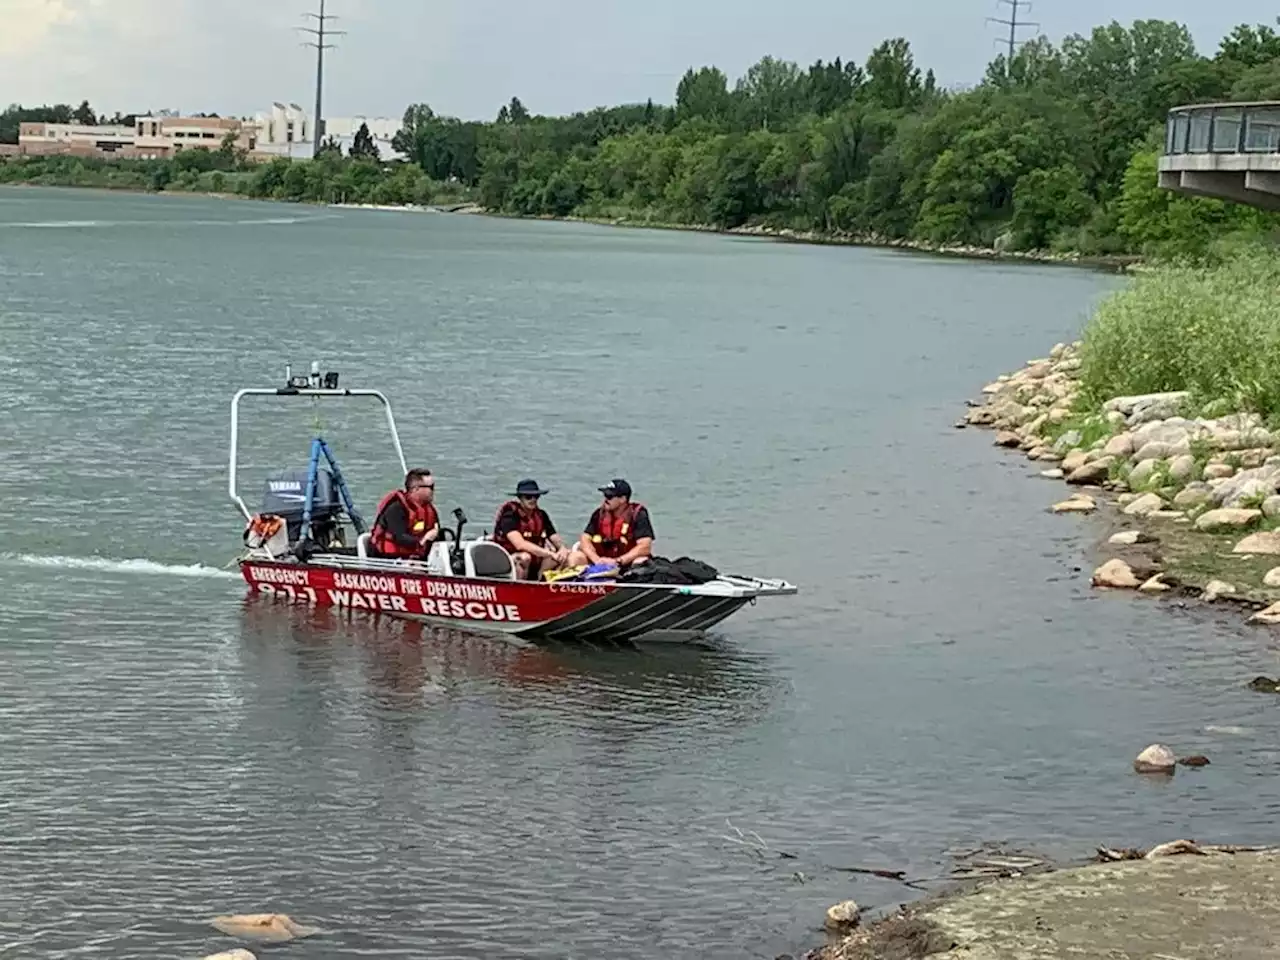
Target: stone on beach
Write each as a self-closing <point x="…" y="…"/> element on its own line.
<point x="1074" y="461"/>
<point x="1052" y="474"/>
<point x="1154" y="585"/>
<point x="1271" y="615"/>
<point x="1116" y="573"/>
<point x="843" y="916"/>
<point x="1007" y="438"/>
<point x="238" y="954"/>
<point x="1215" y="589"/>
<point x="1272" y="578"/>
<point x="1121" y="445"/>
<point x="1130" y="537"/>
<point x="1145" y="505"/>
<point x="1264" y="541"/>
<point x="1218" y="471"/>
<point x="1091" y="473"/>
<point x="1080" y="503"/>
<point x="1227" y="518"/>
<point x="1156" y="758"/>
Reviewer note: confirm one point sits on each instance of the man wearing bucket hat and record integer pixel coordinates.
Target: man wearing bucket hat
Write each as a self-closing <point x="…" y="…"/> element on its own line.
<point x="527" y="532"/>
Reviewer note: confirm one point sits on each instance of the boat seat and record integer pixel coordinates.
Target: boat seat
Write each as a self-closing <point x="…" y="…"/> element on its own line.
<point x="484" y="558"/>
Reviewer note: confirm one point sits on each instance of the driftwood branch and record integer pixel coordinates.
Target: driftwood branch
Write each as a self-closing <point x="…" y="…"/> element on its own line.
<point x="760" y="848"/>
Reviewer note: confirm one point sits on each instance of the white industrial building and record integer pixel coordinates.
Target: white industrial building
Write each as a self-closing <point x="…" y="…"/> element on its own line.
<point x="286" y="130"/>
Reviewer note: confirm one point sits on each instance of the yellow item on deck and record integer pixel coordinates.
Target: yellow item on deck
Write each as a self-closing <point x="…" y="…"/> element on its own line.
<point x="552" y="575"/>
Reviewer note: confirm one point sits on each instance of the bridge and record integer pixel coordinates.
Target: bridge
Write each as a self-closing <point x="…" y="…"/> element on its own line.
<point x="1230" y="151"/>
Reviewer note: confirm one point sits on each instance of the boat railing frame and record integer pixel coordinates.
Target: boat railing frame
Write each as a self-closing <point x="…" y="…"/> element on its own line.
<point x="315" y="393"/>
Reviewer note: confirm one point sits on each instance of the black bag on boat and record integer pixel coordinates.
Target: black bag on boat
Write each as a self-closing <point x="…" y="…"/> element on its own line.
<point x="683" y="570"/>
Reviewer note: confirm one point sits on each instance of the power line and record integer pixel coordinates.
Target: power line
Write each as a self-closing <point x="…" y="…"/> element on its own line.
<point x="1013" y="22"/>
<point x="320" y="31"/>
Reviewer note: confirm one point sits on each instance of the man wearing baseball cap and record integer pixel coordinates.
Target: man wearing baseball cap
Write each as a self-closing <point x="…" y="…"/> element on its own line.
<point x="619" y="533"/>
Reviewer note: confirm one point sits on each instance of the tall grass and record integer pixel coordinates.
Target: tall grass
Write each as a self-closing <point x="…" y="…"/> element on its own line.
<point x="1212" y="330"/>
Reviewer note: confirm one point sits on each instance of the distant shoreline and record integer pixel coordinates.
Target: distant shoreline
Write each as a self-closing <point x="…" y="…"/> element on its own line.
<point x="1114" y="264"/>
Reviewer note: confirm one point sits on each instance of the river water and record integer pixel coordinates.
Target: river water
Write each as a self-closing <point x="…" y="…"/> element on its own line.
<point x="170" y="750"/>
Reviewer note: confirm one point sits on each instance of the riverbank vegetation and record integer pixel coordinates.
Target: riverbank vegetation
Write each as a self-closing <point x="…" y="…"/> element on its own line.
<point x="1053" y="150"/>
<point x="1169" y="406"/>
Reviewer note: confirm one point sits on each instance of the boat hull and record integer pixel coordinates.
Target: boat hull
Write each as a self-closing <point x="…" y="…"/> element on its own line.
<point x="562" y="611"/>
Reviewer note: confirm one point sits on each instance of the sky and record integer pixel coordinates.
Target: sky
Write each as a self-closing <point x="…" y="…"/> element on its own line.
<point x="468" y="57"/>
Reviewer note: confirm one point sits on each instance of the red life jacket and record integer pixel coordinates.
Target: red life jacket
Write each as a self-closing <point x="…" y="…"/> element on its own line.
<point x="421" y="519"/>
<point x="614" y="536"/>
<point x="530" y="526"/>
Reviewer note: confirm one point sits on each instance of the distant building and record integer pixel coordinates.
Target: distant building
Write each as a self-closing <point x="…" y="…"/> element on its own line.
<point x="286" y="131"/>
<point x="283" y="131"/>
<point x="150" y="137"/>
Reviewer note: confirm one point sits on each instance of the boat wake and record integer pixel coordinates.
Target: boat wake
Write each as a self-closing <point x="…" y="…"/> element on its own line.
<point x="106" y="565"/>
<point x="248" y="222"/>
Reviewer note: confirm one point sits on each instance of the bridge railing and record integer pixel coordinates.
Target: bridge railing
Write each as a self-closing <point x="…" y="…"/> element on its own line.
<point x="1223" y="128"/>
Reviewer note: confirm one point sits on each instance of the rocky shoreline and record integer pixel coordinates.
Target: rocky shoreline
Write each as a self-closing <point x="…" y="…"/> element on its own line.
<point x="1198" y="497"/>
<point x="1116" y="263"/>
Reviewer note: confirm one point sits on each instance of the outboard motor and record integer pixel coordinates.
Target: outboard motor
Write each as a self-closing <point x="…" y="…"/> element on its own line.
<point x="285" y="493"/>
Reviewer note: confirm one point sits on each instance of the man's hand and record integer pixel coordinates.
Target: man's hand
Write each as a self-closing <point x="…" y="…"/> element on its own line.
<point x="431" y="535"/>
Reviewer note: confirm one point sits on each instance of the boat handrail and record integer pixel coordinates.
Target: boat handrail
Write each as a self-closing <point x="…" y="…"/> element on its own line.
<point x="317" y="387"/>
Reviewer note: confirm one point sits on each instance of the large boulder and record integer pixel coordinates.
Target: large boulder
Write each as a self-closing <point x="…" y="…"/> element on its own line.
<point x="1117" y="574"/>
<point x="1145" y="505"/>
<point x="843" y="916"/>
<point x="1143" y="471"/>
<point x="1257" y="483"/>
<point x="1121" y="445"/>
<point x="1091" y="473"/>
<point x="1146" y="407"/>
<point x="1227" y="518"/>
<point x="1264" y="541"/>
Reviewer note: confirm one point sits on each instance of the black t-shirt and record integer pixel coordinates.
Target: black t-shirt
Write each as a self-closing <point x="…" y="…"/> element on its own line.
<point x="509" y="519"/>
<point x="641" y="526"/>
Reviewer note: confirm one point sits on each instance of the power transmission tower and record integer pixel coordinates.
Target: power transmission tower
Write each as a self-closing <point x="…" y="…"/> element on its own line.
<point x="1013" y="22"/>
<point x="320" y="31"/>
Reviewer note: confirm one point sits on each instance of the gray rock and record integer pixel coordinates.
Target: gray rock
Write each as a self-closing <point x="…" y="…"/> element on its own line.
<point x="1160" y="450"/>
<point x="1257" y="482"/>
<point x="1193" y="495"/>
<point x="1219" y="471"/>
<point x="1144" y="506"/>
<point x="1264" y="541"/>
<point x="1143" y="472"/>
<point x="1067" y="441"/>
<point x="1182" y="468"/>
<point x="1121" y="445"/>
<point x="1271" y="507"/>
<point x="1074" y="461"/>
<point x="1094" y="472"/>
<point x="1227" y="519"/>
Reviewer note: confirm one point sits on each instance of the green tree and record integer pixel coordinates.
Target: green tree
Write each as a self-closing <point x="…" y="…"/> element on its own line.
<point x="362" y="145"/>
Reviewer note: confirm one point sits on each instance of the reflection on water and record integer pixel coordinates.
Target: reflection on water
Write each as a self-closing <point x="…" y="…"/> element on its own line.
<point x="403" y="663"/>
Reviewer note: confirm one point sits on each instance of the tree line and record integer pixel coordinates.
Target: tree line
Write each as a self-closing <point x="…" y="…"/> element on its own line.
<point x="1054" y="149"/>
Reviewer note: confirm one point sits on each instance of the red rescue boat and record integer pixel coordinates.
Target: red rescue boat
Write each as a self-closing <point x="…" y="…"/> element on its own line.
<point x="296" y="548"/>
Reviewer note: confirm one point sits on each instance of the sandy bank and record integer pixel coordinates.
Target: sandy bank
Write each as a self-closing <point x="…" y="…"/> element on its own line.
<point x="1183" y="907"/>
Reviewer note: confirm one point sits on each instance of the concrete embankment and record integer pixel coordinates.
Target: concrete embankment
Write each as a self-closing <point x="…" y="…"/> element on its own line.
<point x="1192" y="906"/>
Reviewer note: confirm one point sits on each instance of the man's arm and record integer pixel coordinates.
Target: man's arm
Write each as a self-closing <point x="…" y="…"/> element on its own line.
<point x="642" y="530"/>
<point x="553" y="535"/>
<point x="584" y="542"/>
